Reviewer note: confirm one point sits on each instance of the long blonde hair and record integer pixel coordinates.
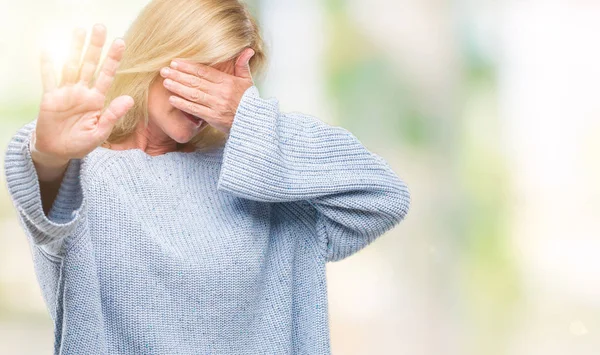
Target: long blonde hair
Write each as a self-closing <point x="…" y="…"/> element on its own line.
<point x="202" y="31"/>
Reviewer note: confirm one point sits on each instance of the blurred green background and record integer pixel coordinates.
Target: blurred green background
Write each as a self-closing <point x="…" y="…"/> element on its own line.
<point x="488" y="110"/>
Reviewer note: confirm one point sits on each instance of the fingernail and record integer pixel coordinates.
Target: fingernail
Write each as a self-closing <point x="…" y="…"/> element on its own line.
<point x="174" y="65"/>
<point x="167" y="82"/>
<point x="164" y="72"/>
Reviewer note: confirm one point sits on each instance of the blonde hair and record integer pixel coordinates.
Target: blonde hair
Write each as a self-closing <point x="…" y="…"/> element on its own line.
<point x="202" y="31"/>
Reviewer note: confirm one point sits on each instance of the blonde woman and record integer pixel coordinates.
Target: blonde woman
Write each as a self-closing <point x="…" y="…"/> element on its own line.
<point x="172" y="210"/>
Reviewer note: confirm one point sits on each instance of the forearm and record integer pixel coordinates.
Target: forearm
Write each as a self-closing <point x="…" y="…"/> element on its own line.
<point x="272" y="156"/>
<point x="50" y="174"/>
<point x="64" y="210"/>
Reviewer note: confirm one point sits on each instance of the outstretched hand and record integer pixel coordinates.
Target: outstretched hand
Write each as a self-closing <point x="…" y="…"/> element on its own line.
<point x="207" y="92"/>
<point x="72" y="120"/>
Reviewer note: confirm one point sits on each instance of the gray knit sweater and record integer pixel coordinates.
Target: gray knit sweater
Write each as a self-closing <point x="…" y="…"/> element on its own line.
<point x="219" y="252"/>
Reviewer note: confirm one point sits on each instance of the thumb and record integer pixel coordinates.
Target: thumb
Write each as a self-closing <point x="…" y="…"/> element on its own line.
<point x="117" y="109"/>
<point x="242" y="67"/>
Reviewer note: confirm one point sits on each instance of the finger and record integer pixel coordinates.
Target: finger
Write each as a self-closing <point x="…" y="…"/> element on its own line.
<point x="200" y="70"/>
<point x="92" y="55"/>
<point x="188" y="80"/>
<point x="242" y="64"/>
<point x="190" y="94"/>
<point x="193" y="108"/>
<point x="47" y="70"/>
<point x="117" y="109"/>
<point x="71" y="67"/>
<point x="109" y="68"/>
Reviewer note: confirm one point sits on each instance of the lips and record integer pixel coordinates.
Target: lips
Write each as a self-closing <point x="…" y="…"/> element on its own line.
<point x="198" y="121"/>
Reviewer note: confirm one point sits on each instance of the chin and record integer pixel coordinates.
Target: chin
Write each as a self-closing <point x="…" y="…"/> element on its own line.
<point x="182" y="136"/>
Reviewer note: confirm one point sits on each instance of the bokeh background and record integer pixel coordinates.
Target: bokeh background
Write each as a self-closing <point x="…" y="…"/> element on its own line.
<point x="489" y="110"/>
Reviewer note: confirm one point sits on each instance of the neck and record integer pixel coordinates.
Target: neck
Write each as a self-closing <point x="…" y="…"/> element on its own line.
<point x="151" y="140"/>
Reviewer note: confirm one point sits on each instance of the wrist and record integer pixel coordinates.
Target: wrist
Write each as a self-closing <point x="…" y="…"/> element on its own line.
<point x="45" y="159"/>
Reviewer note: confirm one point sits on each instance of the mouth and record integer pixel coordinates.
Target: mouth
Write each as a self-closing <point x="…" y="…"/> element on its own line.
<point x="196" y="120"/>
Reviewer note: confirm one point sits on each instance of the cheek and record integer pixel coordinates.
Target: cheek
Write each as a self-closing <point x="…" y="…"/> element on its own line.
<point x="158" y="100"/>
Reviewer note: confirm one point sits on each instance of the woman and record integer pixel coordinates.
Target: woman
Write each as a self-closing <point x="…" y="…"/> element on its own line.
<point x="172" y="210"/>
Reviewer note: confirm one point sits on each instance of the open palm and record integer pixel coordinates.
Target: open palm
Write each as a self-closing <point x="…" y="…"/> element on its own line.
<point x="71" y="121"/>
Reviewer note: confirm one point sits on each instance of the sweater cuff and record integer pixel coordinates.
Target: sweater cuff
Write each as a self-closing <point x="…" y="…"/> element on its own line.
<point x="24" y="189"/>
<point x="243" y="132"/>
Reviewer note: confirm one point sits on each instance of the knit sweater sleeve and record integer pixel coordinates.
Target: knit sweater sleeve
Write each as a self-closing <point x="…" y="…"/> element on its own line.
<point x="24" y="191"/>
<point x="271" y="156"/>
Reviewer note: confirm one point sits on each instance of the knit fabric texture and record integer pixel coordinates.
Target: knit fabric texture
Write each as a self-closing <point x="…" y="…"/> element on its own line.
<point x="214" y="252"/>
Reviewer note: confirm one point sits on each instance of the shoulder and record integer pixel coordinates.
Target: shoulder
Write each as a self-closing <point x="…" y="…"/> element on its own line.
<point x="98" y="163"/>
